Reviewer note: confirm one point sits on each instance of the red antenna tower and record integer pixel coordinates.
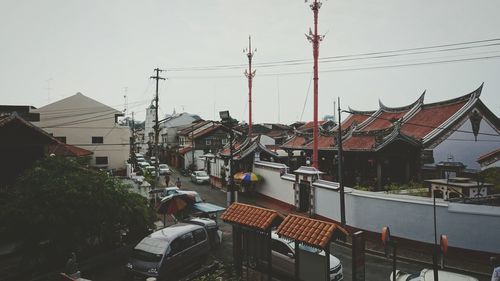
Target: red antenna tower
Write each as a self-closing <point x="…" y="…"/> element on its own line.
<point x="250" y="75"/>
<point x="314" y="38"/>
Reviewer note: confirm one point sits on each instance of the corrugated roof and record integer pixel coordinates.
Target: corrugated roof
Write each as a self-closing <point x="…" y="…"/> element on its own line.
<point x="251" y="216"/>
<point x="309" y="231"/>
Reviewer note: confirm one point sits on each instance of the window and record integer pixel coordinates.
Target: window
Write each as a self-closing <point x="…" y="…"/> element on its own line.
<point x="181" y="243"/>
<point x="280" y="247"/>
<point x="208" y="142"/>
<point x="61" y="139"/>
<point x="101" y="160"/>
<point x="97" y="139"/>
<point x="224" y="141"/>
<point x="199" y="235"/>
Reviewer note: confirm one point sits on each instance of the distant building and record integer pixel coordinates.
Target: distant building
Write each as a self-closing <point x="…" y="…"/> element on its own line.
<point x="86" y="123"/>
<point x="490" y="159"/>
<point x="23" y="143"/>
<point x="401" y="144"/>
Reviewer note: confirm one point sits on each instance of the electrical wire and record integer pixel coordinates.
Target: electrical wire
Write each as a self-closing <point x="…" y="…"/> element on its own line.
<point x="361" y="56"/>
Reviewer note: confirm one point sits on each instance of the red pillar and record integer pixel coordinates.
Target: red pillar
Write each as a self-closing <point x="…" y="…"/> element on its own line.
<point x="314" y="38"/>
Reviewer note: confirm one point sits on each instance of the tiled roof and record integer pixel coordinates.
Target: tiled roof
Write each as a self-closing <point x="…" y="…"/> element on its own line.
<point x="324" y="142"/>
<point x="359" y="142"/>
<point x="312" y="232"/>
<point x="207" y="130"/>
<point x="251" y="216"/>
<point x="62" y="149"/>
<point x="354" y="118"/>
<point x="185" y="149"/>
<point x="491" y="154"/>
<point x="384" y="120"/>
<point x="310" y="125"/>
<point x="295" y="142"/>
<point x="428" y="118"/>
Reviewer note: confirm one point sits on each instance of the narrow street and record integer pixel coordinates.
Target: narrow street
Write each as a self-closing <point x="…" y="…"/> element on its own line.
<point x="377" y="268"/>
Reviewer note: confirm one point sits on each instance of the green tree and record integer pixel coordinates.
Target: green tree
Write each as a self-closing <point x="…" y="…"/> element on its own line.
<point x="64" y="205"/>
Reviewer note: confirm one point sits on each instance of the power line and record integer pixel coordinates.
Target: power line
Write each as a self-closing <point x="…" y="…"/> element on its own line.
<point x="361" y="56"/>
<point x="347" y="68"/>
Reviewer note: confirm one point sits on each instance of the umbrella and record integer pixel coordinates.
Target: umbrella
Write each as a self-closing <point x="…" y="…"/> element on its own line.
<point x="174" y="203"/>
<point x="251" y="177"/>
<point x="239" y="176"/>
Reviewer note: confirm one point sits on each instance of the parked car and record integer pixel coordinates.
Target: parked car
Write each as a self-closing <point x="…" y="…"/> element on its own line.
<point x="142" y="164"/>
<point x="171" y="250"/>
<point x="200" y="177"/>
<point x="173" y="191"/>
<point x="167" y="191"/>
<point x="164" y="169"/>
<point x="427" y="274"/>
<point x="283" y="258"/>
<point x="150" y="169"/>
<point x="152" y="159"/>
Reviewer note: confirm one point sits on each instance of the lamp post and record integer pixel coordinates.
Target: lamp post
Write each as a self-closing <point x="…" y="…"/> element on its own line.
<point x="228" y="122"/>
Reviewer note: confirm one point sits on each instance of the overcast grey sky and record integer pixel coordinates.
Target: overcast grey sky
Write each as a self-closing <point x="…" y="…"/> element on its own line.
<point x="100" y="47"/>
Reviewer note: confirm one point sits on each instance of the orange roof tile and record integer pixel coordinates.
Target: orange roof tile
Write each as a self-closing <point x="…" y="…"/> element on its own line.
<point x="324" y="142"/>
<point x="312" y="232"/>
<point x="384" y="120"/>
<point x="429" y="118"/>
<point x="295" y="142"/>
<point x="353" y="118"/>
<point x="251" y="216"/>
<point x="63" y="149"/>
<point x="359" y="142"/>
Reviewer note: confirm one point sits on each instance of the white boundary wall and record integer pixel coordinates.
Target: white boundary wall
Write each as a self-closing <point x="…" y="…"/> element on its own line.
<point x="473" y="227"/>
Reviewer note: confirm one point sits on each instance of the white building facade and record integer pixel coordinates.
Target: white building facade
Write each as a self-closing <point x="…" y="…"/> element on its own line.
<point x="81" y="121"/>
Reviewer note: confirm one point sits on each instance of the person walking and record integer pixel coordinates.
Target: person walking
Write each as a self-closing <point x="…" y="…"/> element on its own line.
<point x="495" y="276"/>
<point x="167" y="180"/>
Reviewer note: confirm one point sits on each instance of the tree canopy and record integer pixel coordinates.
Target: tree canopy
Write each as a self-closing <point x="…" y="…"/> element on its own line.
<point x="61" y="203"/>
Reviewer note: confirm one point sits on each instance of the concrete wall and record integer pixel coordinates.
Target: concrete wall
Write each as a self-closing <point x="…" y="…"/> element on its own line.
<point x="473" y="227"/>
<point x="272" y="185"/>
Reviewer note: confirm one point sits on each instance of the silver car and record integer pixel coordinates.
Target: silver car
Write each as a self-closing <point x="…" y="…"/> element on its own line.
<point x="200" y="177"/>
<point x="167" y="252"/>
<point x="283" y="258"/>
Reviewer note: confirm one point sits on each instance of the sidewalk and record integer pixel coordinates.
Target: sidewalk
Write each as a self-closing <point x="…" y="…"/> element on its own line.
<point x="408" y="252"/>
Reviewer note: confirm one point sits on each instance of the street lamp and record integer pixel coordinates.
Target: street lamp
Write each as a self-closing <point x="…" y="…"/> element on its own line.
<point x="228" y="122"/>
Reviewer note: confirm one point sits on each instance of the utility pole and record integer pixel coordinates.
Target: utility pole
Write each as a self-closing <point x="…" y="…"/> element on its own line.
<point x="314" y="38"/>
<point x="250" y="75"/>
<point x="132" y="145"/>
<point x="341" y="181"/>
<point x="156" y="127"/>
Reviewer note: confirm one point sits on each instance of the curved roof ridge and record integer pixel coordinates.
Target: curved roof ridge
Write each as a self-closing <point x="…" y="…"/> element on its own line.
<point x="472" y="95"/>
<point x="420" y="100"/>
<point x="361" y="112"/>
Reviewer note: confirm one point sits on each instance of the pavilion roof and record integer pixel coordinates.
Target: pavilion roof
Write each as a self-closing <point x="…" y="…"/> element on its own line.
<point x="309" y="231"/>
<point x="251" y="216"/>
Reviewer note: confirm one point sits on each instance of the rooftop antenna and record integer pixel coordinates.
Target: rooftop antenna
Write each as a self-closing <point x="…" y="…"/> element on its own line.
<point x="279" y="106"/>
<point x="48" y="89"/>
<point x="314" y="38"/>
<point x="125" y="107"/>
<point x="250" y="75"/>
